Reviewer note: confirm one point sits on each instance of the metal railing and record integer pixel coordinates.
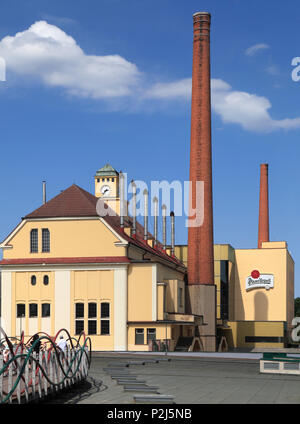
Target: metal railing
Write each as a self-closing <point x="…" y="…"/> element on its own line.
<point x="32" y="370"/>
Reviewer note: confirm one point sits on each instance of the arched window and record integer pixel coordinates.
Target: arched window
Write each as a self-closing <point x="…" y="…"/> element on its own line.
<point x="33" y="280"/>
<point x="34" y="245"/>
<point x="45" y="240"/>
<point x="92" y="318"/>
<point x="79" y="318"/>
<point x="105" y="318"/>
<point x="46" y="280"/>
<point x="20" y="310"/>
<point x="45" y="310"/>
<point x="33" y="310"/>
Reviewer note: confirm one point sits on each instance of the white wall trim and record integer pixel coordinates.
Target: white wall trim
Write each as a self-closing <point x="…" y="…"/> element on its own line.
<point x="154" y="292"/>
<point x="120" y="309"/>
<point x="6" y="299"/>
<point x="11" y="235"/>
<point x="121" y="239"/>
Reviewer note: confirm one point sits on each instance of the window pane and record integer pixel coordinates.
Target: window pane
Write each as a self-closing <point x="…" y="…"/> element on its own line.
<point x="34" y="241"/>
<point x="20" y="310"/>
<point x="151" y="334"/>
<point x="79" y="310"/>
<point x="104" y="310"/>
<point x="46" y="280"/>
<point x="33" y="310"/>
<point x="45" y="240"/>
<point x="92" y="327"/>
<point x="139" y="336"/>
<point x="33" y="280"/>
<point x="79" y="326"/>
<point x="104" y="326"/>
<point x="45" y="310"/>
<point x="92" y="310"/>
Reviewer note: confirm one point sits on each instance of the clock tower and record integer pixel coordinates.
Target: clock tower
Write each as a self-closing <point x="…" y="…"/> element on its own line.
<point x="107" y="186"/>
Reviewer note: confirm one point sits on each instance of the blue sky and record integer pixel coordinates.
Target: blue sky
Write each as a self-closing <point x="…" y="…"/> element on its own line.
<point x="109" y="81"/>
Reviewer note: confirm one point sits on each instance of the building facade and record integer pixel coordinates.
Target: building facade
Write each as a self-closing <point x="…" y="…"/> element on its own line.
<point x="255" y="294"/>
<point x="64" y="266"/>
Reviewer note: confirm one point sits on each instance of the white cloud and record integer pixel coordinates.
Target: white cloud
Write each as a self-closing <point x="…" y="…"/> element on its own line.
<point x="48" y="53"/>
<point x="251" y="51"/>
<point x="248" y="110"/>
<point x="172" y="90"/>
<point x="234" y="107"/>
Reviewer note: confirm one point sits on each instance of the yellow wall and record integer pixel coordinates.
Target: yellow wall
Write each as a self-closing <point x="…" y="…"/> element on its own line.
<point x="260" y="304"/>
<point x="68" y="238"/>
<point x="24" y="292"/>
<point x="238" y="330"/>
<point x="163" y="331"/>
<point x="140" y="293"/>
<point x="93" y="286"/>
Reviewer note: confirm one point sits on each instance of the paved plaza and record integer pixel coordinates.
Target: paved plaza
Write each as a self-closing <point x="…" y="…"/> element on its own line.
<point x="190" y="379"/>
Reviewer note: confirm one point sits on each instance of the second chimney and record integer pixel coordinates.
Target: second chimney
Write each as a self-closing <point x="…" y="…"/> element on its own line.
<point x="263" y="223"/>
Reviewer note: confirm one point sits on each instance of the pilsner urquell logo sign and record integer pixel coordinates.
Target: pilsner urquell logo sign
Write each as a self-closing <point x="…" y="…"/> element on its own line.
<point x="256" y="279"/>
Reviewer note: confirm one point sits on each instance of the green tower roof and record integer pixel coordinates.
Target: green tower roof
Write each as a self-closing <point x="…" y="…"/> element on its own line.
<point x="107" y="170"/>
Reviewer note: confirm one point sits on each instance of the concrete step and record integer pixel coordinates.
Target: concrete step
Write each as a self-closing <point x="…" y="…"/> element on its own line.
<point x="140" y="388"/>
<point x="136" y="363"/>
<point x="127" y="376"/>
<point x="153" y="399"/>
<point x="118" y="364"/>
<point x="130" y="382"/>
<point x="115" y="370"/>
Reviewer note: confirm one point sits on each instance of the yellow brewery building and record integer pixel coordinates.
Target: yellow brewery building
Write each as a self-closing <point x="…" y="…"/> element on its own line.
<point x="64" y="266"/>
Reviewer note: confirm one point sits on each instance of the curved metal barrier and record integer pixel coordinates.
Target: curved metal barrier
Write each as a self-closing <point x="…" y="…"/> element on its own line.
<point x="33" y="369"/>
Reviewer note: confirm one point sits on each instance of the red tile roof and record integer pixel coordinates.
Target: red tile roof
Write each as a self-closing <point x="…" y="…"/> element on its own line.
<point x="77" y="202"/>
<point x="72" y="202"/>
<point x="49" y="261"/>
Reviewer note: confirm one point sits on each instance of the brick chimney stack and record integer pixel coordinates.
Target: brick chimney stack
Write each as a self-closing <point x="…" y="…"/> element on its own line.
<point x="263" y="224"/>
<point x="200" y="239"/>
<point x="201" y="293"/>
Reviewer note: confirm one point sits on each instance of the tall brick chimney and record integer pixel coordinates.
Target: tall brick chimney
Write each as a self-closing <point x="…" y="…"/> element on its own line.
<point x="263" y="223"/>
<point x="200" y="238"/>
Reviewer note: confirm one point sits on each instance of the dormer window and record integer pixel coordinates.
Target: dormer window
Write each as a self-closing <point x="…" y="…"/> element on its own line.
<point x="45" y="240"/>
<point x="34" y="245"/>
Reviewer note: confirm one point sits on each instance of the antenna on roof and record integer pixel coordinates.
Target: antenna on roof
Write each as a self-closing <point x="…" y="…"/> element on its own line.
<point x="44" y="192"/>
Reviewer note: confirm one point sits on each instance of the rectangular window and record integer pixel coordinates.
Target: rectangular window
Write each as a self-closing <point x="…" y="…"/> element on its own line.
<point x="92" y="327"/>
<point x="139" y="336"/>
<point x="180" y="297"/>
<point x="33" y="310"/>
<point x="105" y="315"/>
<point x="151" y="334"/>
<point x="104" y="310"/>
<point x="264" y="339"/>
<point x="79" y="326"/>
<point x="34" y="245"/>
<point x="92" y="310"/>
<point x="79" y="313"/>
<point x="20" y="310"/>
<point x="104" y="327"/>
<point x="45" y="240"/>
<point x="45" y="310"/>
<point x="224" y="296"/>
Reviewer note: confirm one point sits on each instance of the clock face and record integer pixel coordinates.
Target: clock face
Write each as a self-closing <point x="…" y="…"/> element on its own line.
<point x="105" y="190"/>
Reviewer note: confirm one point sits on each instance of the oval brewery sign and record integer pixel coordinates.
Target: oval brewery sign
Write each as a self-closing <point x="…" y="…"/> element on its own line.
<point x="256" y="279"/>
